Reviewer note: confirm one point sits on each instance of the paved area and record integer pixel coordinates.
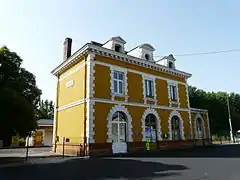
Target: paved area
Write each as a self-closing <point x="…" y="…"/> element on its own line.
<point x="215" y="163"/>
<point x="21" y="152"/>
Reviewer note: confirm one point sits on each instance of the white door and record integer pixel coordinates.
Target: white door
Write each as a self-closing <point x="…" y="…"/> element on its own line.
<point x="47" y="139"/>
<point x="119" y="127"/>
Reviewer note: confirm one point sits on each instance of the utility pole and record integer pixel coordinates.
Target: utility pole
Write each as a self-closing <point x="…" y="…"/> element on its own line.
<point x="230" y="121"/>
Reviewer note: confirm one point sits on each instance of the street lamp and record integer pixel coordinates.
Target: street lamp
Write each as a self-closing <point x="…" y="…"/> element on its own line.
<point x="230" y="121"/>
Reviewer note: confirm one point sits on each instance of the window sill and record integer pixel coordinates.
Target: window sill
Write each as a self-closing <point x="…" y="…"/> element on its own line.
<point x="151" y="99"/>
<point x="118" y="95"/>
<point x="173" y="102"/>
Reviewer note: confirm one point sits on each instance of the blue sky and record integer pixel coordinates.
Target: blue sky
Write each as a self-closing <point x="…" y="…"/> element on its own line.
<point x="36" y="30"/>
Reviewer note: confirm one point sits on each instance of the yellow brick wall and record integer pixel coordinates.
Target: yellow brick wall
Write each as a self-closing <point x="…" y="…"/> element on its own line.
<point x="182" y="96"/>
<point x="70" y="124"/>
<point x="75" y="92"/>
<point x="135" y="88"/>
<point x="102" y="82"/>
<point x="162" y="92"/>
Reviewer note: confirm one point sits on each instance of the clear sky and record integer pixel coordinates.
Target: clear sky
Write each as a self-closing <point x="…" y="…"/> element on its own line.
<point x="36" y="29"/>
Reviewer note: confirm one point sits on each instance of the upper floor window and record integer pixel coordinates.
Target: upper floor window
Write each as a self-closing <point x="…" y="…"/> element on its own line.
<point x="118" y="82"/>
<point x="147" y="57"/>
<point x="149" y="89"/>
<point x="118" y="48"/>
<point x="173" y="92"/>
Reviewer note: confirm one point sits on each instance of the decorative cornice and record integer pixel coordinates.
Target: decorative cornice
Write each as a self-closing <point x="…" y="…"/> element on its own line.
<point x="118" y="56"/>
<point x="158" y="123"/>
<point x="175" y="113"/>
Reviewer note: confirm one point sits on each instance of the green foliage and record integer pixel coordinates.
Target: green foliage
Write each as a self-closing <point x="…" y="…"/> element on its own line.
<point x="19" y="96"/>
<point x="45" y="109"/>
<point x="216" y="104"/>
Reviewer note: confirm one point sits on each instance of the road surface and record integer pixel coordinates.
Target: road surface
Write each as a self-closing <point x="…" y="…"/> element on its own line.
<point x="216" y="163"/>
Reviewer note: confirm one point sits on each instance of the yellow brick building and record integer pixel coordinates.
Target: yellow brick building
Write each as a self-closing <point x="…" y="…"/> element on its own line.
<point x="110" y="100"/>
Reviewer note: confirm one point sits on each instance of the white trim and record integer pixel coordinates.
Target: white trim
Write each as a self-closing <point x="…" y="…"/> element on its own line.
<point x="189" y="112"/>
<point x="198" y="116"/>
<point x="76" y="103"/>
<point x="198" y="110"/>
<point x="137" y="104"/>
<point x="176" y="113"/>
<point x="137" y="72"/>
<point x="117" y="56"/>
<point x="125" y="82"/>
<point x="73" y="71"/>
<point x="173" y="83"/>
<point x="151" y="78"/>
<point x="89" y="94"/>
<point x="129" y="122"/>
<point x="159" y="132"/>
<point x="70" y="105"/>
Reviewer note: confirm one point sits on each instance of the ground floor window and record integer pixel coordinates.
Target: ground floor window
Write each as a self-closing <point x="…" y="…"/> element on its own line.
<point x="175" y="125"/>
<point x="150" y="128"/>
<point x="119" y="127"/>
<point x="199" y="128"/>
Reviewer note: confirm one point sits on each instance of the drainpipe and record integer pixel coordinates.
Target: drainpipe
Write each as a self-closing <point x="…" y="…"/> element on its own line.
<point x="85" y="108"/>
<point x="56" y="116"/>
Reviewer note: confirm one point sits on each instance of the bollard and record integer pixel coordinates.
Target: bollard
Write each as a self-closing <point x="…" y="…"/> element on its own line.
<point x="27" y="149"/>
<point x="63" y="146"/>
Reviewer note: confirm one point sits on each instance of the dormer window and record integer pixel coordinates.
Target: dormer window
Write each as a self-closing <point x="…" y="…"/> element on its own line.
<point x="147" y="57"/>
<point x="170" y="64"/>
<point x="117" y="48"/>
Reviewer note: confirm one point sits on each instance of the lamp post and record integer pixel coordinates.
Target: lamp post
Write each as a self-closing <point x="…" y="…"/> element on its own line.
<point x="230" y="121"/>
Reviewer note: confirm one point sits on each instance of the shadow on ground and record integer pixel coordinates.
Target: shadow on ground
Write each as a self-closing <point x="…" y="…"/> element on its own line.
<point x="94" y="168"/>
<point x="214" y="151"/>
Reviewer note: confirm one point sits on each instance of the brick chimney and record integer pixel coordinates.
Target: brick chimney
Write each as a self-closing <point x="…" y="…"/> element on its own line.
<point x="67" y="48"/>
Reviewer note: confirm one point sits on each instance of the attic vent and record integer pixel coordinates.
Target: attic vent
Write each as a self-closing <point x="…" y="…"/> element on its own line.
<point x="117" y="48"/>
<point x="147" y="57"/>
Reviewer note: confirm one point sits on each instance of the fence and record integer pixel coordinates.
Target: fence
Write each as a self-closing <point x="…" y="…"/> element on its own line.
<point x="71" y="146"/>
<point x="218" y="139"/>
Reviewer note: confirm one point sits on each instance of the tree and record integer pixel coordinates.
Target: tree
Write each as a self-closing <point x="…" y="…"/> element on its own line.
<point x="19" y="96"/>
<point x="45" y="109"/>
<point x="216" y="104"/>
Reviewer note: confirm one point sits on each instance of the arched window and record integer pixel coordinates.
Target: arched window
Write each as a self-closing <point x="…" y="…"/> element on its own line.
<point x="150" y="127"/>
<point x="147" y="57"/>
<point x="119" y="127"/>
<point x="199" y="127"/>
<point x="175" y="125"/>
<point x="118" y="48"/>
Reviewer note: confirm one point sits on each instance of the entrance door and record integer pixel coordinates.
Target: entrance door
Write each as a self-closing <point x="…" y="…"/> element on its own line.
<point x="119" y="128"/>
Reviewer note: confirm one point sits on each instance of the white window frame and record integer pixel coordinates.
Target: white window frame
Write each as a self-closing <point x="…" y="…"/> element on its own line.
<point x="154" y="97"/>
<point x="147" y="88"/>
<point x="118" y="81"/>
<point x="173" y="94"/>
<point x="125" y="83"/>
<point x="170" y="95"/>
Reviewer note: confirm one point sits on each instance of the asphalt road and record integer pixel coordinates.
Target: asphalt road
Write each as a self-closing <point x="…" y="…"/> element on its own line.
<point x="215" y="163"/>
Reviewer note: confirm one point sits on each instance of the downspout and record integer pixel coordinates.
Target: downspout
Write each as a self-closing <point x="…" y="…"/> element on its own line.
<point x="85" y="109"/>
<point x="56" y="116"/>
